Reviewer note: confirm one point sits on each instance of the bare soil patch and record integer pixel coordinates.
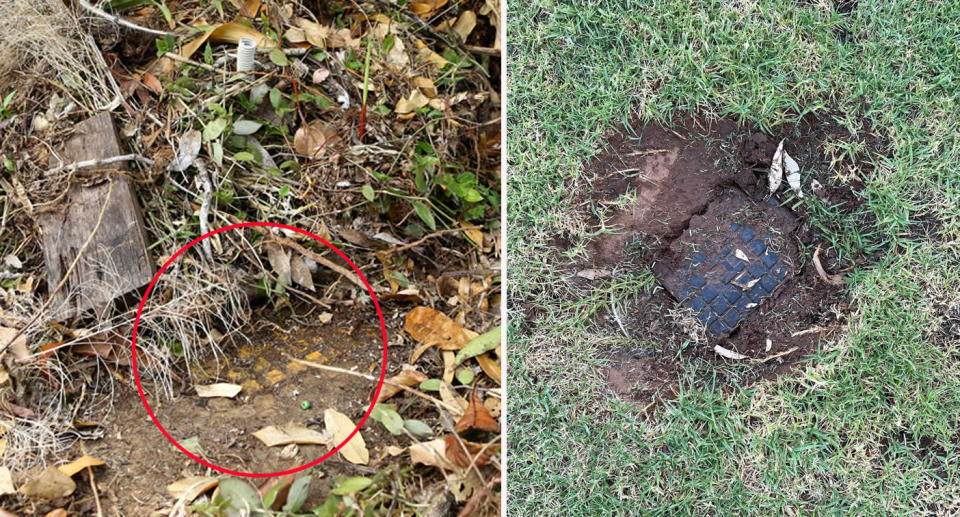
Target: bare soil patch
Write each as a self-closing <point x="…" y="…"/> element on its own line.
<point x="677" y="195"/>
<point x="141" y="462"/>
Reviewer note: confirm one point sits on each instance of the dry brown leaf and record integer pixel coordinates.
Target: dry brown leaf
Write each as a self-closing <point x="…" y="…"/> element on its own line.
<point x="19" y="345"/>
<point x="490" y="365"/>
<point x="151" y="82"/>
<point x="79" y="464"/>
<point x="406" y="377"/>
<point x="423" y="8"/>
<point x="251" y="8"/>
<point x="51" y="484"/>
<point x="455" y="403"/>
<point x="300" y="273"/>
<point x="6" y="481"/>
<point x="221" y="389"/>
<point x="476" y="417"/>
<point x="491" y="9"/>
<point x="59" y="512"/>
<point x="427" y="53"/>
<point x="434" y="328"/>
<point x="286" y="434"/>
<point x="314" y="139"/>
<point x="431" y="453"/>
<point x="729" y="354"/>
<point x="415" y="100"/>
<point x="279" y="259"/>
<point x="474" y="234"/>
<point x="593" y="274"/>
<point x="793" y="173"/>
<point x="828" y="278"/>
<point x="419" y="351"/>
<point x="227" y="33"/>
<point x="449" y="366"/>
<point x="426" y="85"/>
<point x="456" y="454"/>
<point x="322" y="36"/>
<point x="465" y="24"/>
<point x="340" y="426"/>
<point x="493" y="406"/>
<point x="775" y="176"/>
<point x="190" y="488"/>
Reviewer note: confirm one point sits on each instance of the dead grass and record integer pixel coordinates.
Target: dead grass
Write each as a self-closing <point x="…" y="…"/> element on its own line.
<point x="44" y="40"/>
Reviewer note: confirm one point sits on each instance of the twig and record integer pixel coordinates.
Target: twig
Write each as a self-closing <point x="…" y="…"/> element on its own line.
<point x="486" y="51"/>
<point x="98" y="162"/>
<point x="121" y="21"/>
<point x="66" y="275"/>
<point x="811" y="330"/>
<point x="372" y="378"/>
<point x="177" y="57"/>
<point x="616" y="315"/>
<point x="205" y="207"/>
<point x="416" y="20"/>
<point x="423" y="239"/>
<point x="475" y="499"/>
<point x="772" y="357"/>
<point x="828" y="278"/>
<point x="314" y="256"/>
<point x="93" y="485"/>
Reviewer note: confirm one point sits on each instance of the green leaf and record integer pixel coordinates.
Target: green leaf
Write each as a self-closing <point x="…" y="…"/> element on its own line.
<point x="351" y="485"/>
<point x="275" y="98"/>
<point x="329" y="508"/>
<point x="243" y="156"/>
<point x="214" y="129"/>
<point x="240" y="495"/>
<point x="368" y="192"/>
<point x="192" y="444"/>
<point x="246" y="127"/>
<point x="271" y="495"/>
<point x="278" y="57"/>
<point x="9" y="98"/>
<point x="216" y="151"/>
<point x="425" y="214"/>
<point x="389" y="417"/>
<point x="466" y="376"/>
<point x="431" y="385"/>
<point x="418" y="429"/>
<point x="472" y="196"/>
<point x="163" y="9"/>
<point x="480" y="344"/>
<point x="208" y="54"/>
<point x="9" y="164"/>
<point x="298" y="494"/>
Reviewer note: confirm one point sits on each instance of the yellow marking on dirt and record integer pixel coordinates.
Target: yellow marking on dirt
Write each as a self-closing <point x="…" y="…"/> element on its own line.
<point x="274" y="376"/>
<point x="294" y="367"/>
<point x="251" y="386"/>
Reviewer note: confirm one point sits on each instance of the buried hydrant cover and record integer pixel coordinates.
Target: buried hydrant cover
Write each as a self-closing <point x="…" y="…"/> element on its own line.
<point x="730" y="260"/>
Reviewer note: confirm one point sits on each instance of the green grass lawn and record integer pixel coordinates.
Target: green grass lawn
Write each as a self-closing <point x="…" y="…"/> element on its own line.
<point x="870" y="424"/>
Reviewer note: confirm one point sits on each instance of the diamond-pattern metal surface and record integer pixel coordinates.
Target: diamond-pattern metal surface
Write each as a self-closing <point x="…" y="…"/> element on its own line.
<point x="726" y="283"/>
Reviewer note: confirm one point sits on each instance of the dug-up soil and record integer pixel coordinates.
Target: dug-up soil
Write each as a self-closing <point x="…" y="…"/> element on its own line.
<point x="679" y="195"/>
<point x="140" y="462"/>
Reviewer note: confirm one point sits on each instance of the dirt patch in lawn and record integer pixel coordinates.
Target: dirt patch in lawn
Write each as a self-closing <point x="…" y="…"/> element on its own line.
<point x="733" y="264"/>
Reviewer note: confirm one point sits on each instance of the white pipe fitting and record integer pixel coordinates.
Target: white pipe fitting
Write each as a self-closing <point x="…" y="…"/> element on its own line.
<point x="246" y="53"/>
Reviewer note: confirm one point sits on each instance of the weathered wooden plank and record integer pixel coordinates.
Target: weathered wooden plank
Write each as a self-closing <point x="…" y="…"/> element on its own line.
<point x="94" y="139"/>
<point x="116" y="261"/>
